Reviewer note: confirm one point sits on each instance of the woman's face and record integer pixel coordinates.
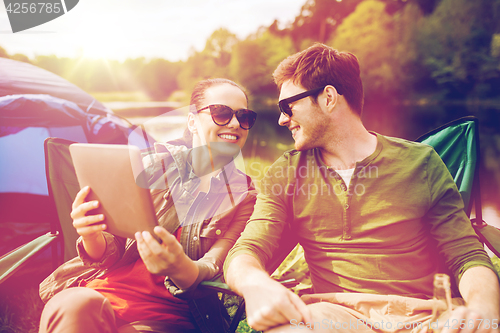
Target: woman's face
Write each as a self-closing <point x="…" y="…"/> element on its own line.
<point x="205" y="130"/>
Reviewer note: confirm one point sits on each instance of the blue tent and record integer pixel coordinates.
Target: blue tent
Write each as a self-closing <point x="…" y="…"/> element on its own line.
<point x="36" y="104"/>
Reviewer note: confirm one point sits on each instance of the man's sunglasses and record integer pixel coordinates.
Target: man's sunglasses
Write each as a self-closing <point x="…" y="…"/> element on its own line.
<point x="284" y="104"/>
<point x="222" y="115"/>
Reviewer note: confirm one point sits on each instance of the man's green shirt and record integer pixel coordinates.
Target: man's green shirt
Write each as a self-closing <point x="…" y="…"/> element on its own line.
<point x="384" y="233"/>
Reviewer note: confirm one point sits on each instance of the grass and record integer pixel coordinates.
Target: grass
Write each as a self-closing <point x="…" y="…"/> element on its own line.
<point x="20" y="305"/>
<point x="20" y="313"/>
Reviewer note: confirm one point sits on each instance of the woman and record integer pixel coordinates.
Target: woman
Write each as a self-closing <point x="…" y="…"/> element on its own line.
<point x="202" y="203"/>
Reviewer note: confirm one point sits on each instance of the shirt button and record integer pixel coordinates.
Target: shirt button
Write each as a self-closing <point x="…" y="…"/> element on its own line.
<point x="218" y="232"/>
<point x="195" y="238"/>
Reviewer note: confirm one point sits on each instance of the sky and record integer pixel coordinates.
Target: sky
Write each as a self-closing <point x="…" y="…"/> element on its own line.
<point x="120" y="29"/>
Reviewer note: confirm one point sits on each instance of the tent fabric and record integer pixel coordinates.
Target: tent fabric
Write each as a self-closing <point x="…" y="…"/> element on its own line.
<point x="39" y="110"/>
<point x="22" y="111"/>
<point x="22" y="166"/>
<point x="36" y="104"/>
<point x="17" y="77"/>
<point x="22" y="162"/>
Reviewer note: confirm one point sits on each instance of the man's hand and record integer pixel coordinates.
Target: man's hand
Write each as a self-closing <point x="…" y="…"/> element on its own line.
<point x="268" y="303"/>
<point x="481" y="292"/>
<point x="466" y="320"/>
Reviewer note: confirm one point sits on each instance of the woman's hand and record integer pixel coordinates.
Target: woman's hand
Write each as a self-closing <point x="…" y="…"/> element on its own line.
<point x="167" y="258"/>
<point x="88" y="226"/>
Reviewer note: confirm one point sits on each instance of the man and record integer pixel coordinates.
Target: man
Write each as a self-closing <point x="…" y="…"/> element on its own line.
<point x="373" y="214"/>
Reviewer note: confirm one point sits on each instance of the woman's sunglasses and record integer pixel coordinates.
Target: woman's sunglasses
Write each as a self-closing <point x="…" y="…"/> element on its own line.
<point x="222" y="115"/>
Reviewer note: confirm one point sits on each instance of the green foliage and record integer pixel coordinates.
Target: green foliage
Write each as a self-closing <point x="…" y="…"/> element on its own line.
<point x="318" y="19"/>
<point x="406" y="48"/>
<point x="220" y="45"/>
<point x="254" y="61"/>
<point x="295" y="267"/>
<point x="454" y="44"/>
<point x="20" y="57"/>
<point x="495" y="46"/>
<point x="244" y="328"/>
<point x="212" y="62"/>
<point x="20" y="311"/>
<point x="382" y="43"/>
<point x="3" y="53"/>
<point x="159" y="78"/>
<point x="156" y="78"/>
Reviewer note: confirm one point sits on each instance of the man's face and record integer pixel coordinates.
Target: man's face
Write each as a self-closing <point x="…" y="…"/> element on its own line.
<point x="307" y="122"/>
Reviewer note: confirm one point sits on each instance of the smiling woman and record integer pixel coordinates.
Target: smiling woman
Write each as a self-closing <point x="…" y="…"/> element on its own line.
<point x="234" y="129"/>
<point x="202" y="202"/>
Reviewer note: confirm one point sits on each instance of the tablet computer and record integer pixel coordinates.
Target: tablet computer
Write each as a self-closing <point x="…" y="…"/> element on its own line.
<point x="114" y="174"/>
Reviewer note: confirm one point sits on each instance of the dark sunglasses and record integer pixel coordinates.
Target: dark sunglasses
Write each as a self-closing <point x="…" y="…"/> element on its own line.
<point x="222" y="115"/>
<point x="284" y="104"/>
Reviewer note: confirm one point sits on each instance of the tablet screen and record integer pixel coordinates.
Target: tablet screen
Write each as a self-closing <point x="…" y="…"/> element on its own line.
<point x="109" y="171"/>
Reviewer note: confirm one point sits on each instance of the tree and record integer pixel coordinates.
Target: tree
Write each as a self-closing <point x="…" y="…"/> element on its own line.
<point x="159" y="78"/>
<point x="21" y="57"/>
<point x="199" y="66"/>
<point x="3" y="53"/>
<point x="318" y="19"/>
<point x="212" y="62"/>
<point x="454" y="44"/>
<point x="220" y="45"/>
<point x="255" y="59"/>
<point x="376" y="38"/>
<point x="130" y="73"/>
<point x="51" y="63"/>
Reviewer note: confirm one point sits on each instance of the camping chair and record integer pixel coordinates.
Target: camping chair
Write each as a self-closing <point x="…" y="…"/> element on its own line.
<point x="457" y="143"/>
<point x="63" y="186"/>
<point x="62" y="183"/>
<point x="14" y="260"/>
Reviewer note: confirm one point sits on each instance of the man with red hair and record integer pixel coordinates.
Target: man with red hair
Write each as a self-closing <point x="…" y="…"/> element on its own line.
<point x="374" y="214"/>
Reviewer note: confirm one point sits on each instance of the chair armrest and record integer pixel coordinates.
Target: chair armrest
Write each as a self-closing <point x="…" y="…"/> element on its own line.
<point x="489" y="235"/>
<point x="12" y="261"/>
<point x="218" y="285"/>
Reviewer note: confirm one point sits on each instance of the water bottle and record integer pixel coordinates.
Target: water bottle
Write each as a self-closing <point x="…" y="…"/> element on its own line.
<point x="441" y="308"/>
